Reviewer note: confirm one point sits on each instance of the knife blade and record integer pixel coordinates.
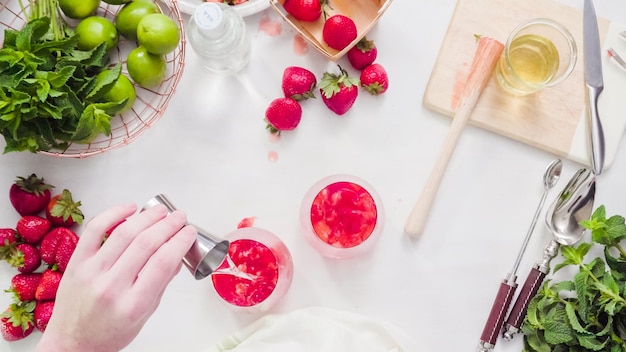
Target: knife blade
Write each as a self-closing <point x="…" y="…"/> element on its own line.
<point x="595" y="84"/>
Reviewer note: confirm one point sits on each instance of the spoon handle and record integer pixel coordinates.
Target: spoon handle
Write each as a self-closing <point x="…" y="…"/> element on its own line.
<point x="493" y="326"/>
<point x="518" y="312"/>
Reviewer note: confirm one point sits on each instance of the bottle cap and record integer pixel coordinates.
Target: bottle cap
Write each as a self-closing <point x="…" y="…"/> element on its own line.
<point x="208" y="15"/>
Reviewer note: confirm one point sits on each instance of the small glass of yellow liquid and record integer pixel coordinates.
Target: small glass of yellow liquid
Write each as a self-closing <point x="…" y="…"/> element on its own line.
<point x="539" y="53"/>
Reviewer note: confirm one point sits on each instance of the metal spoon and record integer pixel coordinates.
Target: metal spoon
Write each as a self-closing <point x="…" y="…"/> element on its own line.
<point x="574" y="204"/>
<point x="507" y="287"/>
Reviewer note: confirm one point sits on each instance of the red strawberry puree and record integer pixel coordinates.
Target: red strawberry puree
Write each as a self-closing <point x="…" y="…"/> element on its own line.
<point x="343" y="214"/>
<point x="253" y="258"/>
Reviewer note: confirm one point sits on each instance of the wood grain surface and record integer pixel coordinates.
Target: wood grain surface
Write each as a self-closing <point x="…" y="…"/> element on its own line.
<point x="548" y="119"/>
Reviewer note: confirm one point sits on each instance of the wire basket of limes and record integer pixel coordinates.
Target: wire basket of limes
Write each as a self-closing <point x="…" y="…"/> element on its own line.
<point x="81" y="77"/>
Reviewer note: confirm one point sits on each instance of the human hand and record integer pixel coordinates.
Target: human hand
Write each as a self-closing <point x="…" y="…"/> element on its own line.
<point x="108" y="292"/>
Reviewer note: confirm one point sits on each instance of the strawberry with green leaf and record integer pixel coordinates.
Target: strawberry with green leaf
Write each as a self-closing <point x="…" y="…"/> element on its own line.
<point x="363" y="54"/>
<point x="29" y="195"/>
<point x="8" y="240"/>
<point x="374" y="79"/>
<point x="339" y="91"/>
<point x="283" y="114"/>
<point x="16" y="322"/>
<point x="63" y="211"/>
<point x="25" y="258"/>
<point x="298" y="83"/>
<point x="32" y="228"/>
<point x="24" y="286"/>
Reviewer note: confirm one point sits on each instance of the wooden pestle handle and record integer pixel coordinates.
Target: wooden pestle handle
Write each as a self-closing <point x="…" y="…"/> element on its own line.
<point x="416" y="221"/>
<point x="486" y="56"/>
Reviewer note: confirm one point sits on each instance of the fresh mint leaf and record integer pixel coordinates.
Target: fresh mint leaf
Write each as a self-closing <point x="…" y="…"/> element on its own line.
<point x="575" y="255"/>
<point x="103" y="83"/>
<point x="572" y="318"/>
<point x="31" y="32"/>
<point x="557" y="332"/>
<point x="590" y="342"/>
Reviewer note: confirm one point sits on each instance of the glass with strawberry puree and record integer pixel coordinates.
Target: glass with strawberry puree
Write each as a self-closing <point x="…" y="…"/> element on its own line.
<point x="257" y="272"/>
<point x="342" y="216"/>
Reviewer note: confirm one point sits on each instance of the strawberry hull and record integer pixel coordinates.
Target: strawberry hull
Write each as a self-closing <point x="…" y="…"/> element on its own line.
<point x="342" y="216"/>
<point x="259" y="273"/>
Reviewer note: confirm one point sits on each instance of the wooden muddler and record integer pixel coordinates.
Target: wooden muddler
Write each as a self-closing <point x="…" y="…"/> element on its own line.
<point x="486" y="56"/>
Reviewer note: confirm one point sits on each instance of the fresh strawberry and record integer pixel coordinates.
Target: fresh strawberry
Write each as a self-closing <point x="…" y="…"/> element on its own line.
<point x="57" y="247"/>
<point x="339" y="31"/>
<point x="374" y="79"/>
<point x="298" y="83"/>
<point x="48" y="286"/>
<point x="25" y="258"/>
<point x="283" y="114"/>
<point x="16" y="322"/>
<point x="24" y="286"/>
<point x="304" y="10"/>
<point x="62" y="210"/>
<point x="363" y="54"/>
<point x="29" y="195"/>
<point x="32" y="228"/>
<point x="339" y="92"/>
<point x="8" y="241"/>
<point x="42" y="314"/>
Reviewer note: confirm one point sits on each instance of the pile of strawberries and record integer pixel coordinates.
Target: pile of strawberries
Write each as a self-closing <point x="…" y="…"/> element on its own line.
<point x="42" y="235"/>
<point x="339" y="90"/>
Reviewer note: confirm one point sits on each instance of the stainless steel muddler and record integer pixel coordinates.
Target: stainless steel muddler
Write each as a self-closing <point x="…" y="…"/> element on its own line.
<point x="207" y="252"/>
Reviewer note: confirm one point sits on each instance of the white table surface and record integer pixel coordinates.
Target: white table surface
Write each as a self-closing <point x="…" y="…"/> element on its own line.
<point x="209" y="154"/>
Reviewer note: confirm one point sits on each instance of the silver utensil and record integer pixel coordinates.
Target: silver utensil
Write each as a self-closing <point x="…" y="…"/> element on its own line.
<point x="574" y="204"/>
<point x="207" y="252"/>
<point x="508" y="285"/>
<point x="595" y="84"/>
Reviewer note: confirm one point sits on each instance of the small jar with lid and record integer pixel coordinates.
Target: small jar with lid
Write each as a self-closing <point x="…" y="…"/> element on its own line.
<point x="217" y="33"/>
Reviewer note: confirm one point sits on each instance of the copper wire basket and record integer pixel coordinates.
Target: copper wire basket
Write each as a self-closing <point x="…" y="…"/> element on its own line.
<point x="150" y="104"/>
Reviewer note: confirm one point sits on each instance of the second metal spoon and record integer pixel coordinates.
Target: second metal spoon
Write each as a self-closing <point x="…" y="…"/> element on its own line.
<point x="508" y="285"/>
<point x="574" y="204"/>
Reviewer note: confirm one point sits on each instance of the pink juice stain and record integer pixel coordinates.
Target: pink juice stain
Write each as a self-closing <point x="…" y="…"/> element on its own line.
<point x="272" y="156"/>
<point x="300" y="46"/>
<point x="343" y="214"/>
<point x="459" y="85"/>
<point x="269" y="26"/>
<point x="255" y="260"/>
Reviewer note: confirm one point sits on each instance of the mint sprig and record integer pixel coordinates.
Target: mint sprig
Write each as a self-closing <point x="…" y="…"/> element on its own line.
<point x="586" y="313"/>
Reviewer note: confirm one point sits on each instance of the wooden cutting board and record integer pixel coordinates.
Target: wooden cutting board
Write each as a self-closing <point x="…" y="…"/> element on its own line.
<point x="553" y="119"/>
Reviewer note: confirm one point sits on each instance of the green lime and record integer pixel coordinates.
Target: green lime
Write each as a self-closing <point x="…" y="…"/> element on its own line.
<point x="94" y="30"/>
<point x="122" y="89"/>
<point x="130" y="15"/>
<point x="146" y="69"/>
<point x="158" y="33"/>
<point x="79" y="9"/>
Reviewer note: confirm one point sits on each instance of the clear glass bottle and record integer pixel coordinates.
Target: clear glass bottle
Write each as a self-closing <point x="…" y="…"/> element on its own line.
<point x="217" y="33"/>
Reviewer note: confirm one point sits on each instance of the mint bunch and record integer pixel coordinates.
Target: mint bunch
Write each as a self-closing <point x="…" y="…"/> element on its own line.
<point x="588" y="312"/>
<point x="51" y="93"/>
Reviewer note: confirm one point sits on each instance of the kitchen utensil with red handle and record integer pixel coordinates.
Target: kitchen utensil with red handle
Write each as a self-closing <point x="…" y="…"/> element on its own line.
<point x="485" y="58"/>
<point x="518" y="312"/>
<point x="493" y="326"/>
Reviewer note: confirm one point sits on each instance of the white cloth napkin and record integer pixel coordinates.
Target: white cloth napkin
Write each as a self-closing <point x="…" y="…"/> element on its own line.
<point x="317" y="329"/>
